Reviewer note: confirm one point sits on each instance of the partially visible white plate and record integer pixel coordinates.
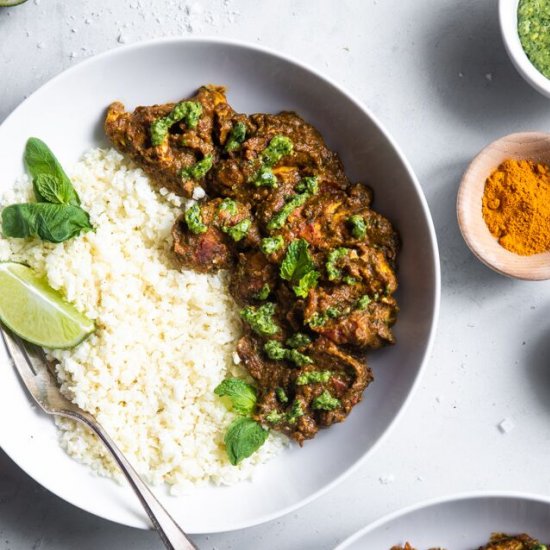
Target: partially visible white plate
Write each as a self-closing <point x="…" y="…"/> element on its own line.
<point x="68" y="114"/>
<point x="463" y="522"/>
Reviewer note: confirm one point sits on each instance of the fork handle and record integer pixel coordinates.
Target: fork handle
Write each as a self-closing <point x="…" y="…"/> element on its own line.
<point x="169" y="531"/>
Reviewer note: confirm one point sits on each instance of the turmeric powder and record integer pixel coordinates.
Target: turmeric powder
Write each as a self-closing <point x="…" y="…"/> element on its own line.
<point x="516" y="206"/>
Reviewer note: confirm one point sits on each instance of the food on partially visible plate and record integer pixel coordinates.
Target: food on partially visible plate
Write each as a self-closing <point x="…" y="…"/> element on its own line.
<point x="499" y="541"/>
<point x="311" y="264"/>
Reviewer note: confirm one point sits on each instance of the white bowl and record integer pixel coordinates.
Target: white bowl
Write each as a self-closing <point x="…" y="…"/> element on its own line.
<point x="459" y="522"/>
<point x="68" y="113"/>
<point x="508" y="16"/>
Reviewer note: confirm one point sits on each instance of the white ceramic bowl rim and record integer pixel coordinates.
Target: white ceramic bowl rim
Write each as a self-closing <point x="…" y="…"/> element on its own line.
<point x="430" y="503"/>
<point x="508" y="16"/>
<point x="418" y="190"/>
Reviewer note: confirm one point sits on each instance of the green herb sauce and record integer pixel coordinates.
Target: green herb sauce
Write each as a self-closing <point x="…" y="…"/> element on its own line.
<point x="325" y="402"/>
<point x="298" y="340"/>
<point x="275" y="350"/>
<point x="363" y="302"/>
<point x="309" y="184"/>
<point x="313" y="377"/>
<point x="188" y="111"/>
<point x="295" y="412"/>
<point x="263" y="293"/>
<point x="534" y="32"/>
<point x="358" y="227"/>
<point x="264" y="177"/>
<point x="193" y="219"/>
<point x="238" y="231"/>
<point x="229" y="206"/>
<point x="198" y="170"/>
<point x="261" y="319"/>
<point x="274" y="417"/>
<point x="278" y="147"/>
<point x="236" y="137"/>
<point x="271" y="244"/>
<point x="281" y="395"/>
<point x="334" y="273"/>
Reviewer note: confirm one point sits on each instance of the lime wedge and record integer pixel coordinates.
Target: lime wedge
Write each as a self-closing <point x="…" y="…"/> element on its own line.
<point x="8" y="3"/>
<point x="38" y="313"/>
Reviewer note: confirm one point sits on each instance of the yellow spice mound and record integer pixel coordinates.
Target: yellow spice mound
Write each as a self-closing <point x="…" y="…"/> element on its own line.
<point x="516" y="206"/>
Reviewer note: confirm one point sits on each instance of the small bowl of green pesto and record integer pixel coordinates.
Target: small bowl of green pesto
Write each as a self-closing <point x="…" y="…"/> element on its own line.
<point x="525" y="26"/>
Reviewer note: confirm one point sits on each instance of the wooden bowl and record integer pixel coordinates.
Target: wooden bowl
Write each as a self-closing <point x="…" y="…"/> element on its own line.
<point x="528" y="145"/>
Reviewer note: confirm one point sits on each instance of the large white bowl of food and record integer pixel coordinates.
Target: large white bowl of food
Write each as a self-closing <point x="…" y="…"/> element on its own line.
<point x="257" y="264"/>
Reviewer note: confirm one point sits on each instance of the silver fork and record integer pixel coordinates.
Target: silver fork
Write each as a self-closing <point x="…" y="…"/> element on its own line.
<point x="40" y="382"/>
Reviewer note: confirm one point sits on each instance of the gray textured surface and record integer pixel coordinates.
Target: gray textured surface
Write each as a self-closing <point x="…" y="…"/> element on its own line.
<point x="436" y="74"/>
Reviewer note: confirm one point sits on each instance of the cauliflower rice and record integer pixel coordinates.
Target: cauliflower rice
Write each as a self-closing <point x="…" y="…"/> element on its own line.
<point x="164" y="340"/>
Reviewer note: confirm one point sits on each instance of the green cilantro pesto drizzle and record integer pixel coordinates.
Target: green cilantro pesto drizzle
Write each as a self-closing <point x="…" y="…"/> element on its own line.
<point x="278" y="147"/>
<point x="310" y="187"/>
<point x="358" y="227"/>
<point x="193" y="219"/>
<point x="229" y="206"/>
<point x="188" y="111"/>
<point x="276" y="351"/>
<point x="238" y="231"/>
<point x="261" y="319"/>
<point x="198" y="170"/>
<point x="263" y="293"/>
<point x="534" y="32"/>
<point x="236" y="137"/>
<point x="271" y="244"/>
<point x="281" y="395"/>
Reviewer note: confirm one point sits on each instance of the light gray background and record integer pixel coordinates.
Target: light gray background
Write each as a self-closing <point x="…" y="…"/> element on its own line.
<point x="436" y="74"/>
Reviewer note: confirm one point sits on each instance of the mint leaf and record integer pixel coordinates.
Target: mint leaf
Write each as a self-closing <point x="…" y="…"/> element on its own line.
<point x="306" y="283"/>
<point x="49" y="189"/>
<point x="50" y="182"/>
<point x="297" y="261"/>
<point x="241" y="394"/>
<point x="298" y="268"/>
<point x="51" y="222"/>
<point x="243" y="438"/>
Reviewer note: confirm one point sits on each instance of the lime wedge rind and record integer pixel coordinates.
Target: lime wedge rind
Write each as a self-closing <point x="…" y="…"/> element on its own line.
<point x="36" y="312"/>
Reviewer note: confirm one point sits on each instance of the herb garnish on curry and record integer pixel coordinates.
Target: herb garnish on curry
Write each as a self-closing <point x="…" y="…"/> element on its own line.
<point x="310" y="263"/>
